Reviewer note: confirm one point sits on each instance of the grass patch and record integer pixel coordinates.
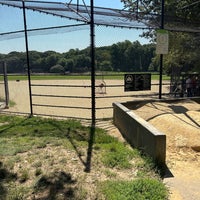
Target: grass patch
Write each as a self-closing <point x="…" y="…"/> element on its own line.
<point x="11" y="103"/>
<point x="46" y="159"/>
<point x="107" y="76"/>
<point x="117" y="155"/>
<point x="140" y="189"/>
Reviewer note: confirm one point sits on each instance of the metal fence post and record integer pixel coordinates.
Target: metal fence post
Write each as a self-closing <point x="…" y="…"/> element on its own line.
<point x="161" y="55"/>
<point x="92" y="53"/>
<point x="27" y="58"/>
<point x="6" y="84"/>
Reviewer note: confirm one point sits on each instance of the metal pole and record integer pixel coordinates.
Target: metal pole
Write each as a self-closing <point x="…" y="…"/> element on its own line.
<point x="92" y="53"/>
<point x="6" y="84"/>
<point x="27" y="58"/>
<point x="161" y="55"/>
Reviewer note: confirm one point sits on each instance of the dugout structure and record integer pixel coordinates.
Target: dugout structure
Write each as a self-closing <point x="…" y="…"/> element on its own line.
<point x="178" y="84"/>
<point x="88" y="15"/>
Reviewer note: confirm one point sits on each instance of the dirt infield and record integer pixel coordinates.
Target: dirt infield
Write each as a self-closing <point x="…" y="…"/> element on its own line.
<point x="180" y="122"/>
<point x="19" y="93"/>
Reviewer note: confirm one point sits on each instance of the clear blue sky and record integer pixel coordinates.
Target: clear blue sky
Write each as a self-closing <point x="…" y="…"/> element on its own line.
<point x="12" y="20"/>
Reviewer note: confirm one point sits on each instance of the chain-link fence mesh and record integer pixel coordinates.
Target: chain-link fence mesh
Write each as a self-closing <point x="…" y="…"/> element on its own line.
<point x="70" y="94"/>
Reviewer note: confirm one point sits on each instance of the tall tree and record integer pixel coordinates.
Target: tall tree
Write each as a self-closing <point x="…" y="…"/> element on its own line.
<point x="118" y="58"/>
<point x="182" y="18"/>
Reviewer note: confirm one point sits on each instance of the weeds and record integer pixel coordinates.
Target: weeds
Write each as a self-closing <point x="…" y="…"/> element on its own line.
<point x="24" y="176"/>
<point x="46" y="158"/>
<point x="117" y="155"/>
<point x="38" y="171"/>
<point x="140" y="189"/>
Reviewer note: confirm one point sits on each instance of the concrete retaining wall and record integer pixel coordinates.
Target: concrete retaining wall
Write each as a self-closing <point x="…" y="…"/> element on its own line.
<point x="140" y="133"/>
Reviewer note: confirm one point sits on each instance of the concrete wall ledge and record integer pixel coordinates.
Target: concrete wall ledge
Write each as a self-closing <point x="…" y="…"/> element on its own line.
<point x="139" y="133"/>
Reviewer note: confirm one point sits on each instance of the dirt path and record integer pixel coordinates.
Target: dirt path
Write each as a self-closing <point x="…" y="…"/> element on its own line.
<point x="180" y="121"/>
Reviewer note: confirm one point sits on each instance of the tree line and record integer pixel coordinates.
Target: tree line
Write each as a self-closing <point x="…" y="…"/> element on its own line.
<point x="128" y="56"/>
<point x="122" y="56"/>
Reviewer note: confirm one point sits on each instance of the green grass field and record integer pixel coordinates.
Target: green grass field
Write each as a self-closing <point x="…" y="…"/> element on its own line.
<point x="110" y="76"/>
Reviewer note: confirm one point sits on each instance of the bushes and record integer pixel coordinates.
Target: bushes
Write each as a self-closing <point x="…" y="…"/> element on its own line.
<point x="57" y="69"/>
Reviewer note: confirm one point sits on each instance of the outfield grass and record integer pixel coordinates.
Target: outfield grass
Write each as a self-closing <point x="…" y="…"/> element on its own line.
<point x="47" y="159"/>
<point x="107" y="76"/>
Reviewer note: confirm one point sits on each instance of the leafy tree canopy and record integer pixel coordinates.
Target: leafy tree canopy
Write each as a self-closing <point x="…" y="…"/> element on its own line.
<point x="183" y="17"/>
<point x="122" y="56"/>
